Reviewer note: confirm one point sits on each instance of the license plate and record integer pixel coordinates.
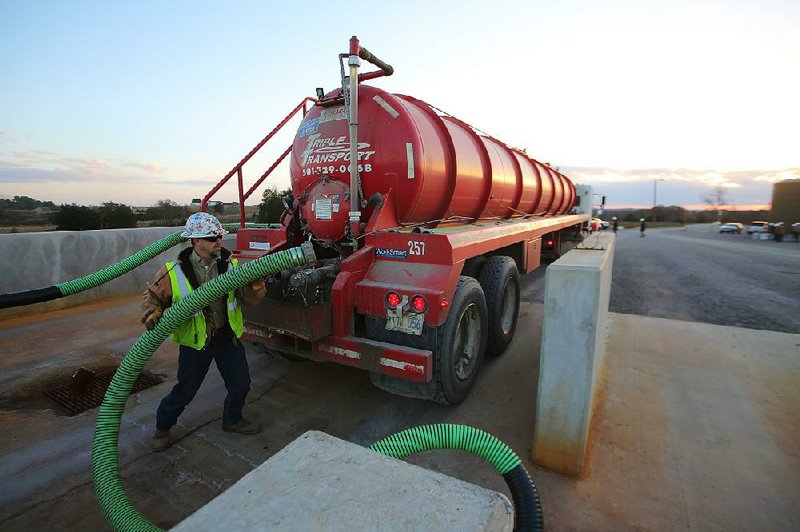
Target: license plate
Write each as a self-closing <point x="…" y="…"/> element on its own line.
<point x="407" y="323"/>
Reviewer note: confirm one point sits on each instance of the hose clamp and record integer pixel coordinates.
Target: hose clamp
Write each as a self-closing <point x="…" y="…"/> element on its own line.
<point x="308" y="252"/>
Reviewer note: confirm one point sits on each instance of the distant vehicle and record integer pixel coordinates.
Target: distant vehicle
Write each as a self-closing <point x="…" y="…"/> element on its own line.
<point x="604" y="224"/>
<point x="757" y="227"/>
<point x="733" y="227"/>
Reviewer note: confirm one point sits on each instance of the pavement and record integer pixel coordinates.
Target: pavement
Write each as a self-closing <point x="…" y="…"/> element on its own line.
<point x="696" y="425"/>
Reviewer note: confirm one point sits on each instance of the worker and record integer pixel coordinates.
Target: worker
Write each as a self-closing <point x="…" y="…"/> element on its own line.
<point x="614" y="224"/>
<point x="642" y="227"/>
<point x="212" y="334"/>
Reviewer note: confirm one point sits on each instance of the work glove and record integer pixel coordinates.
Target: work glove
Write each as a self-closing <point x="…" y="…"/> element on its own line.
<point x="151" y="320"/>
<point x="258" y="286"/>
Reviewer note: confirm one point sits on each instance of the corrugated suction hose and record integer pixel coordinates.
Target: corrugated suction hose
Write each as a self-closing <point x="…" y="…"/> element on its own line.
<point x="114" y="502"/>
<point x="527" y="506"/>
<point x="93" y="280"/>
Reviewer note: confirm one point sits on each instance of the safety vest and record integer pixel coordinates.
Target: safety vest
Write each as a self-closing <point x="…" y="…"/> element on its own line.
<point x="192" y="332"/>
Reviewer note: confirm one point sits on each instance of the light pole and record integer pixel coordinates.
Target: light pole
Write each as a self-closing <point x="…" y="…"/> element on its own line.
<point x="655" y="193"/>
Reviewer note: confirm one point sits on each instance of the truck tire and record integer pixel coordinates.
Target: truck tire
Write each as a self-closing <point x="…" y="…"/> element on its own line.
<point x="500" y="282"/>
<point x="458" y="346"/>
<point x="473" y="266"/>
<point x="462" y="341"/>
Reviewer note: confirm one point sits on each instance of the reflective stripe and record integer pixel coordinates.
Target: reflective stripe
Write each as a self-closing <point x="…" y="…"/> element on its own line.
<point x="233" y="304"/>
<point x="183" y="282"/>
<point x="405" y="366"/>
<point x="184" y="288"/>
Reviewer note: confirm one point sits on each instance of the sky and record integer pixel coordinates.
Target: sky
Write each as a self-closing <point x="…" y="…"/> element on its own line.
<point x="133" y="102"/>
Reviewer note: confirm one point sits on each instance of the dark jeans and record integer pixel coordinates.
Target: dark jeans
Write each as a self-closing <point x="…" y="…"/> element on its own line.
<point x="228" y="353"/>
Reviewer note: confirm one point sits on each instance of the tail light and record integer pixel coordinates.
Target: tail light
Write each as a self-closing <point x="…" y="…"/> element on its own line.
<point x="392" y="299"/>
<point x="549" y="243"/>
<point x="419" y="304"/>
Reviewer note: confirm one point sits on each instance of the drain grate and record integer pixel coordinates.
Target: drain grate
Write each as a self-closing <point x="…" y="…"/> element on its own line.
<point x="91" y="389"/>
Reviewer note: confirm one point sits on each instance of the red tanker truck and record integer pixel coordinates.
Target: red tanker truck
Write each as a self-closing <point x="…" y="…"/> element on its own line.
<point x="422" y="226"/>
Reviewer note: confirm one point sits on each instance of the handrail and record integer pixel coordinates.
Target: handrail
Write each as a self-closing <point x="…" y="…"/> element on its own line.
<point x="269" y="171"/>
<point x="238" y="168"/>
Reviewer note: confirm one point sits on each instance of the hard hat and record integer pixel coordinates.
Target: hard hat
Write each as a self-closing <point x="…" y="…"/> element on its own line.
<point x="202" y="224"/>
<point x="641" y="219"/>
<point x="614" y="218"/>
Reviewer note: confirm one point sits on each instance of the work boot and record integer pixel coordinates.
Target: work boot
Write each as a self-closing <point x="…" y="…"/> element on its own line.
<point x="243" y="426"/>
<point x="161" y="441"/>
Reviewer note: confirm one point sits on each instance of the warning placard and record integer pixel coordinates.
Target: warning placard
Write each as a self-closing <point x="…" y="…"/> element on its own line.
<point x="322" y="208"/>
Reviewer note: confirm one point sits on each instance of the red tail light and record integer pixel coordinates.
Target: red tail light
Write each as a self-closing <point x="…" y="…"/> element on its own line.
<point x="443" y="304"/>
<point x="419" y="304"/>
<point x="549" y="243"/>
<point x="392" y="299"/>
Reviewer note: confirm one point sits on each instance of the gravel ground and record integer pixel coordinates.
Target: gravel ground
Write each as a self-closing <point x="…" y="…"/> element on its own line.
<point x="701" y="276"/>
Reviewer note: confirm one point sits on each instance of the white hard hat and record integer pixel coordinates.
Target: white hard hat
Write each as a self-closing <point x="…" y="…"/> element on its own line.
<point x="641" y="219"/>
<point x="614" y="218"/>
<point x="202" y="224"/>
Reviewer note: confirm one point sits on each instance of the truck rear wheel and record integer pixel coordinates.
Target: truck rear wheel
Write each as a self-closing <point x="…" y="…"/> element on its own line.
<point x="457" y="344"/>
<point x="500" y="282"/>
<point x="462" y="341"/>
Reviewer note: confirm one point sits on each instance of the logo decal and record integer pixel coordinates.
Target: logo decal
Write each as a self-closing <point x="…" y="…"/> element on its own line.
<point x="333" y="114"/>
<point x="388" y="253"/>
<point x="308" y="127"/>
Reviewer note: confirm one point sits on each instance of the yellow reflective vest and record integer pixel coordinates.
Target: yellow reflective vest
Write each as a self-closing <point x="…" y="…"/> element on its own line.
<point x="192" y="332"/>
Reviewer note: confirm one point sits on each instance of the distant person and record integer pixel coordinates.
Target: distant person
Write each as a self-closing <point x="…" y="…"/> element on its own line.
<point x="780" y="230"/>
<point x="642" y="227"/>
<point x="212" y="334"/>
<point x="614" y="224"/>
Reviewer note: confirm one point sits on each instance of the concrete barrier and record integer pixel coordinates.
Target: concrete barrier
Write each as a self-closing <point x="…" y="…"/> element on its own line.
<point x="319" y="482"/>
<point x="577" y="291"/>
<point x="36" y="260"/>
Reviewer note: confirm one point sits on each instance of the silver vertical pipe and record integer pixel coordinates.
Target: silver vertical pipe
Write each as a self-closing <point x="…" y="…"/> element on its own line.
<point x="354" y="63"/>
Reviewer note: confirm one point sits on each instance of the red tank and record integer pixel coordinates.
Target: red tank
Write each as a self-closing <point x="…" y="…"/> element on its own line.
<point x="437" y="167"/>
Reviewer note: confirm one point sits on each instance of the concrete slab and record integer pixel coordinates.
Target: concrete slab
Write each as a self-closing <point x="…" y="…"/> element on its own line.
<point x="319" y="482"/>
<point x="698" y="428"/>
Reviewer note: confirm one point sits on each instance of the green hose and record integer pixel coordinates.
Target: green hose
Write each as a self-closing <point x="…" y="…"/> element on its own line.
<point x="111" y="495"/>
<point x="528" y="513"/>
<point x="446" y="436"/>
<point x="93" y="280"/>
<point x="114" y="502"/>
<point x="105" y="275"/>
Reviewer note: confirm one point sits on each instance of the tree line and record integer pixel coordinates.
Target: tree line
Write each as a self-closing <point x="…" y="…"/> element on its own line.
<point x="681" y="216"/>
<point x="110" y="215"/>
<point x="166" y="212"/>
<point x="23" y="210"/>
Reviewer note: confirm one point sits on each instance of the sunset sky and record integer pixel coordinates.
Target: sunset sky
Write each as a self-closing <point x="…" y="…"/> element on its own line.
<point x="134" y="102"/>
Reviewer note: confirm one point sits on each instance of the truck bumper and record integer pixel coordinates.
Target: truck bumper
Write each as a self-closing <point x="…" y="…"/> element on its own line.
<point x="405" y="363"/>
